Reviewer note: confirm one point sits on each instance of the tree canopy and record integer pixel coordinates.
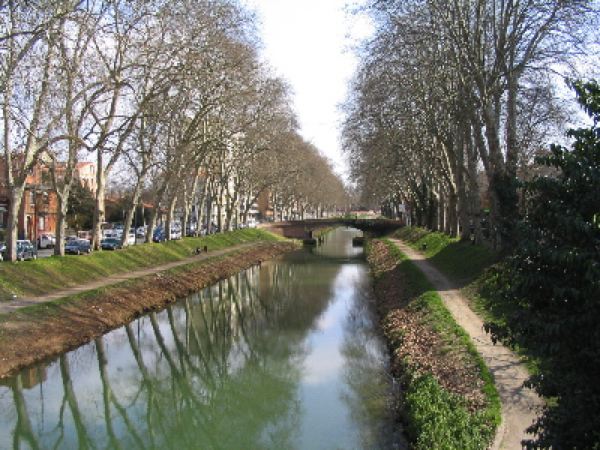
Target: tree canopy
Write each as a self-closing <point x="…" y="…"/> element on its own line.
<point x="552" y="281"/>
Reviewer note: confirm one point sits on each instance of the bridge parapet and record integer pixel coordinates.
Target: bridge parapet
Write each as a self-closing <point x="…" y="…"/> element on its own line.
<point x="301" y="229"/>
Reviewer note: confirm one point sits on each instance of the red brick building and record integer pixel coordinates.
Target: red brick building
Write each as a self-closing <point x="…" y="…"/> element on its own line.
<point x="37" y="214"/>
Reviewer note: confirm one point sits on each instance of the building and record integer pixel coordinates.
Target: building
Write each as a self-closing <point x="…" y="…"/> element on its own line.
<point x="85" y="173"/>
<point x="38" y="212"/>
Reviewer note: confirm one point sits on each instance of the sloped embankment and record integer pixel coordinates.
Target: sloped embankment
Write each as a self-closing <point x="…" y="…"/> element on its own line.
<point x="449" y="399"/>
<point x="40" y="332"/>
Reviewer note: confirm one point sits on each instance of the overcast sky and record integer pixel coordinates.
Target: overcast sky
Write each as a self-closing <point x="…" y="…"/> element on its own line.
<point x="308" y="43"/>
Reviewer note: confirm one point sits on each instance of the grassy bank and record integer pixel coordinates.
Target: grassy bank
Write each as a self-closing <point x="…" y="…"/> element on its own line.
<point x="473" y="268"/>
<point x="36" y="333"/>
<point x="32" y="278"/>
<point x="450" y="400"/>
<point x="462" y="261"/>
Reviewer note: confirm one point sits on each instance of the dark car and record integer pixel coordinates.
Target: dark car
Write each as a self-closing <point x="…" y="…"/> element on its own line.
<point x="110" y="244"/>
<point x="78" y="246"/>
<point x="158" y="235"/>
<point x="25" y="250"/>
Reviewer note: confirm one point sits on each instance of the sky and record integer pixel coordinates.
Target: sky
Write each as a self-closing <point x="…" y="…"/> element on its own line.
<point x="309" y="44"/>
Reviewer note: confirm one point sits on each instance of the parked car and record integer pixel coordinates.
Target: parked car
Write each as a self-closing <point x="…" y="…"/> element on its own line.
<point x="191" y="228"/>
<point x="87" y="234"/>
<point x="110" y="234"/>
<point x="46" y="240"/>
<point x="141" y="231"/>
<point x="110" y="244"/>
<point x="25" y="250"/>
<point x="176" y="233"/>
<point x="158" y="235"/>
<point x="131" y="238"/>
<point x="78" y="247"/>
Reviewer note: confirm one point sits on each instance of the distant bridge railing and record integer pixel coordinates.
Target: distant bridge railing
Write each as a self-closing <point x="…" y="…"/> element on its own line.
<point x="303" y="229"/>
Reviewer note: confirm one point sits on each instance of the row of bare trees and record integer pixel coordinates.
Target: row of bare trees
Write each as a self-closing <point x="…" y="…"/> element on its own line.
<point x="453" y="98"/>
<point x="169" y="96"/>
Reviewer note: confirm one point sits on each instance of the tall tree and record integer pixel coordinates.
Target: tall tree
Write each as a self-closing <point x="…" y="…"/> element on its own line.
<point x="553" y="283"/>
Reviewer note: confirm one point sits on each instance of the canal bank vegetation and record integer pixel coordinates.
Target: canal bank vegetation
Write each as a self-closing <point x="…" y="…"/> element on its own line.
<point x="449" y="397"/>
<point x="450" y="254"/>
<point x="46" y="275"/>
<point x="36" y="333"/>
<point x="542" y="298"/>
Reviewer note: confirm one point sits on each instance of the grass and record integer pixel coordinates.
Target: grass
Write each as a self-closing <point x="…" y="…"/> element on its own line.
<point x="44" y="310"/>
<point x="50" y="274"/>
<point x="474" y="268"/>
<point x="462" y="261"/>
<point x="437" y="418"/>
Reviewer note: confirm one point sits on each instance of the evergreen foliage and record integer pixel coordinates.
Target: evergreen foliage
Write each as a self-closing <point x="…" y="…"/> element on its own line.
<point x="553" y="280"/>
<point x="81" y="207"/>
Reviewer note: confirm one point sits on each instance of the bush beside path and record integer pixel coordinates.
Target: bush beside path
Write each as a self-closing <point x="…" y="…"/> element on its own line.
<point x="520" y="405"/>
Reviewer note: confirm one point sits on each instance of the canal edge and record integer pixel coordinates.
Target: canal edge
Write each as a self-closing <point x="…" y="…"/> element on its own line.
<point x="407" y="305"/>
<point x="519" y="405"/>
<point x="39" y="333"/>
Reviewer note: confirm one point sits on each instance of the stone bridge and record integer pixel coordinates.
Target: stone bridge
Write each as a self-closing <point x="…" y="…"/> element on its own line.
<point x="305" y="229"/>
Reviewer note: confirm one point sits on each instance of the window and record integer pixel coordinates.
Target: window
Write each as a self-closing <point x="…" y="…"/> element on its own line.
<point x="41" y="223"/>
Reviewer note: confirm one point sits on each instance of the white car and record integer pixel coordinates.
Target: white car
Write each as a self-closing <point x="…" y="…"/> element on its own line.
<point x="130" y="238"/>
<point x="110" y="234"/>
<point x="46" y="240"/>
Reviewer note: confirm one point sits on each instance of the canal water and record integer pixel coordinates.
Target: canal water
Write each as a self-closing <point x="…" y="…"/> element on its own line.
<point x="280" y="356"/>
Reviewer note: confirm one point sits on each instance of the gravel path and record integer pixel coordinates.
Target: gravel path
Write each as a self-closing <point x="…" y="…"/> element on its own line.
<point x="519" y="404"/>
<point x="21" y="302"/>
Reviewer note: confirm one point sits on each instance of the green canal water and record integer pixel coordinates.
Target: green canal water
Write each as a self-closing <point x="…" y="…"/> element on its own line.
<point x="281" y="356"/>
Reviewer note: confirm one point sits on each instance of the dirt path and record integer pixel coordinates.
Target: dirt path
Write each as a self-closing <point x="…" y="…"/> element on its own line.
<point x="21" y="302"/>
<point x="519" y="404"/>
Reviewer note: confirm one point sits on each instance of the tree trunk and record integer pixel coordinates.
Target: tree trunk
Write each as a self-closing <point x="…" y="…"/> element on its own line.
<point x="99" y="212"/>
<point x="16" y="198"/>
<point x="61" y="223"/>
<point x="451" y="215"/>
<point x="441" y="209"/>
<point x="473" y="195"/>
<point x="131" y="207"/>
<point x="512" y="151"/>
<point x="152" y="223"/>
<point x="170" y="210"/>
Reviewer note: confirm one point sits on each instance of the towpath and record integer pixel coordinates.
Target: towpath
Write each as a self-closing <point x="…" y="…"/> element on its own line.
<point x="21" y="302"/>
<point x="519" y="404"/>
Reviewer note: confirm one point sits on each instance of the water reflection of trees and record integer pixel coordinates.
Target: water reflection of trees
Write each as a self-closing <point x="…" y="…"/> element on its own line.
<point x="219" y="370"/>
<point x="370" y="397"/>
